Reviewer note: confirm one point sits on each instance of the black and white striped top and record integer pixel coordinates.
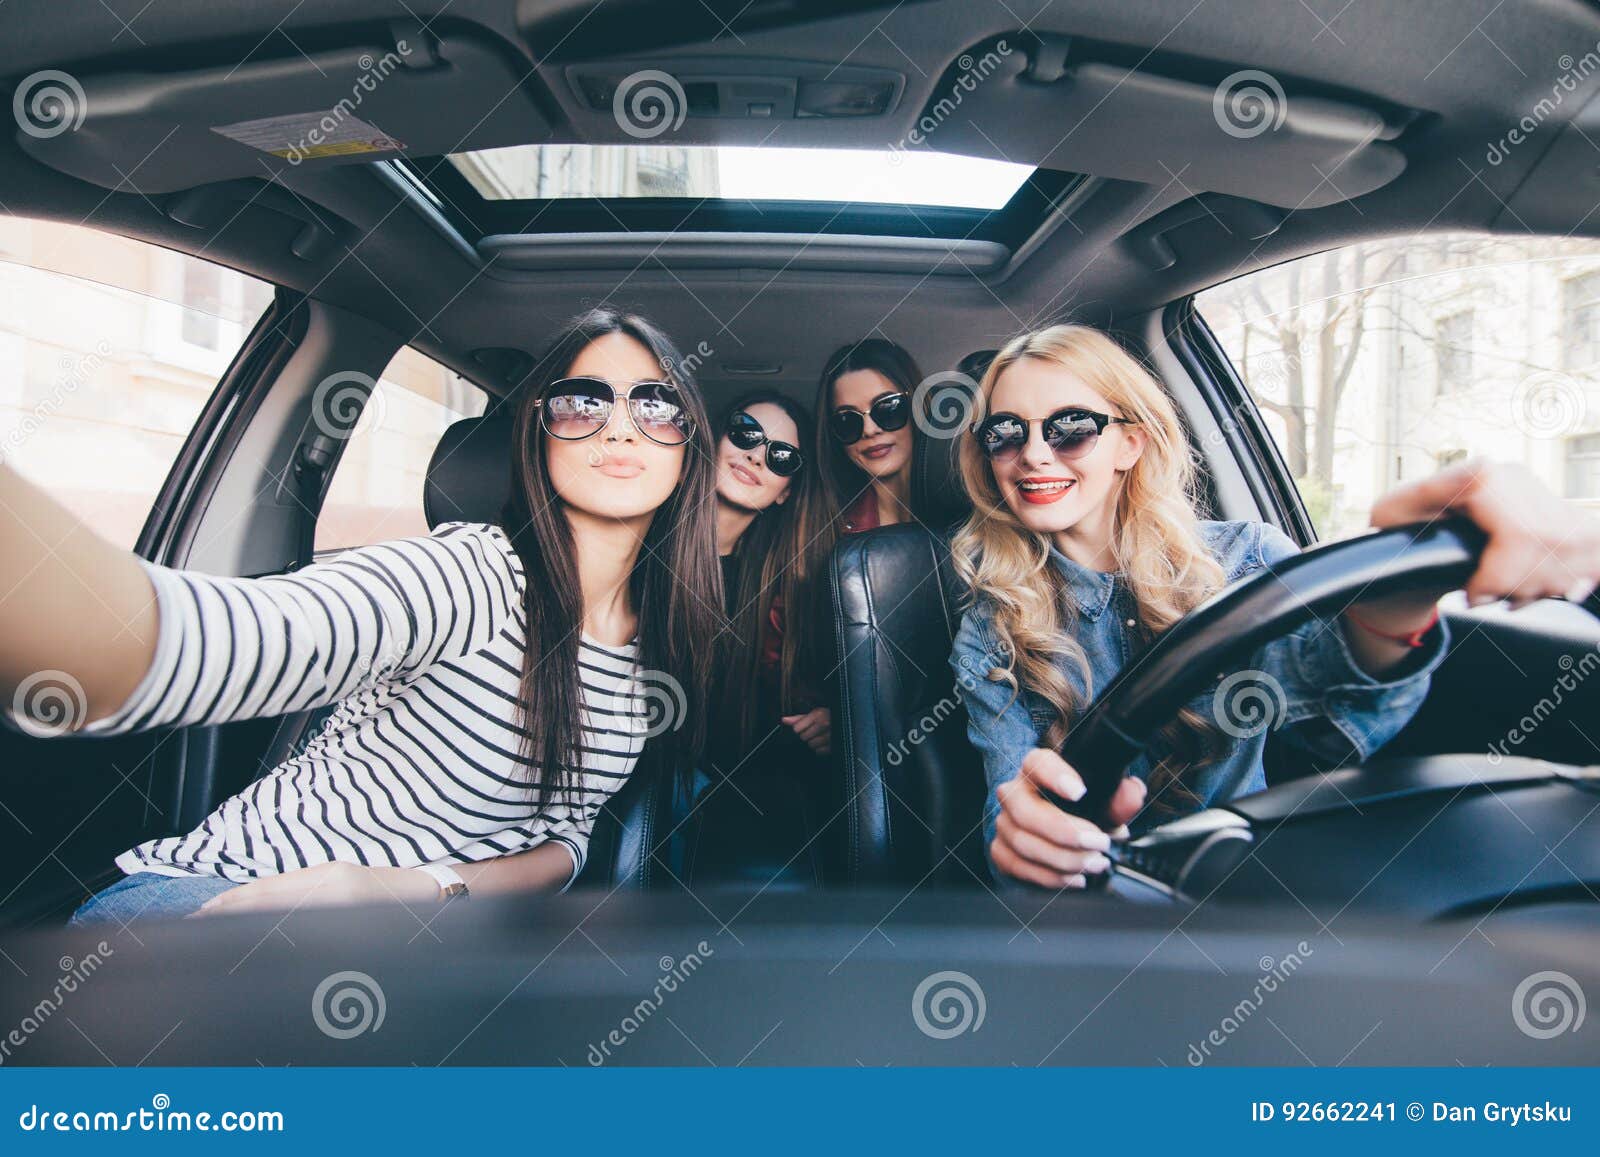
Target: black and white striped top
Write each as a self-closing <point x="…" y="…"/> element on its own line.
<point x="419" y="642"/>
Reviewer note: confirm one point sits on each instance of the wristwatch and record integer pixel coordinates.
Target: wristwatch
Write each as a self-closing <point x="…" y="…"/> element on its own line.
<point x="451" y="885"/>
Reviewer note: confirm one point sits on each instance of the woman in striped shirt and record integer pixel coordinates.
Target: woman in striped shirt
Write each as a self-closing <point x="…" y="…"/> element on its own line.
<point x="494" y="684"/>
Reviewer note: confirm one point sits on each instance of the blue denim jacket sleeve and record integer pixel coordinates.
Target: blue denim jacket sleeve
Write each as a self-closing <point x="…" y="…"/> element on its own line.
<point x="1000" y="725"/>
<point x="1320" y="678"/>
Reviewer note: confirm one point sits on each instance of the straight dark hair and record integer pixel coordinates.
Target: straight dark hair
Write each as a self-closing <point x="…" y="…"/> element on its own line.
<point x="676" y="584"/>
<point x="843" y="479"/>
<point x="771" y="563"/>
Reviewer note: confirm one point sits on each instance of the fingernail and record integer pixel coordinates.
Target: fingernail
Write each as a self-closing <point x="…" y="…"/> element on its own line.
<point x="1095" y="863"/>
<point x="1072" y="787"/>
<point x="1074" y="882"/>
<point x="1095" y="841"/>
<point x="1479" y="600"/>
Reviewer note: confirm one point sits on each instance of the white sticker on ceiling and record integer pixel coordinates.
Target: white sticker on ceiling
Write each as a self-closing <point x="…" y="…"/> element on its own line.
<point x="309" y="135"/>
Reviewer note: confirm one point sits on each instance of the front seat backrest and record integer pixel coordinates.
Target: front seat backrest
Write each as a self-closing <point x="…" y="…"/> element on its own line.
<point x="914" y="787"/>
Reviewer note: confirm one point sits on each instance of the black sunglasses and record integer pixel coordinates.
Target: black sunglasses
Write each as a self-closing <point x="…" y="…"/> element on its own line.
<point x="1071" y="432"/>
<point x="746" y="433"/>
<point x="578" y="408"/>
<point x="889" y="412"/>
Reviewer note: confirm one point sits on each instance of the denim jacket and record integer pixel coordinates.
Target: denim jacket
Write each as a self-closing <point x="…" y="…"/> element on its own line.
<point x="1307" y="682"/>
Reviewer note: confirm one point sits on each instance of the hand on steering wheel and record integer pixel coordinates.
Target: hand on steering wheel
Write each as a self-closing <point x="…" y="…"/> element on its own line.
<point x="1038" y="842"/>
<point x="1538" y="545"/>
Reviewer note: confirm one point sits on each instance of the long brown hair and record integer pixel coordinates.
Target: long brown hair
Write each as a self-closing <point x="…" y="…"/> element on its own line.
<point x="772" y="562"/>
<point x="675" y="587"/>
<point x="842" y="479"/>
<point x="1155" y="537"/>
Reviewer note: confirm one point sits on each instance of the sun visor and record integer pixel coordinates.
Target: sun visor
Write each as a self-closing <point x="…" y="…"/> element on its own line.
<point x="1244" y="136"/>
<point x="156" y="132"/>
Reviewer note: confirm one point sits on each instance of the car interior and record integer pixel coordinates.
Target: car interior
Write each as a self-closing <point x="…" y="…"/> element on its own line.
<point x="1132" y="203"/>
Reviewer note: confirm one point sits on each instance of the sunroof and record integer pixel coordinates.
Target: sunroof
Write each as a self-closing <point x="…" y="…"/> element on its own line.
<point x="840" y="176"/>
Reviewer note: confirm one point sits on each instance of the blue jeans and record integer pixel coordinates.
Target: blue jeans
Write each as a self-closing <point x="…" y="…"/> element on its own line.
<point x="148" y="896"/>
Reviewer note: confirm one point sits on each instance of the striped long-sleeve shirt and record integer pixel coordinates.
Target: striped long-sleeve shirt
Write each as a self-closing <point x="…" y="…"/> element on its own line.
<point x="419" y="642"/>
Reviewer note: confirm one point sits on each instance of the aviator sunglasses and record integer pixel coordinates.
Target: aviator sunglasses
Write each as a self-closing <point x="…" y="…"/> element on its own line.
<point x="890" y="412"/>
<point x="1070" y="432"/>
<point x="577" y="408"/>
<point x="746" y="433"/>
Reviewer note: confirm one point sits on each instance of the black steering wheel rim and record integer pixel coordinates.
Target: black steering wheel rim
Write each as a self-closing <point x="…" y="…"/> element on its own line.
<point x="1223" y="632"/>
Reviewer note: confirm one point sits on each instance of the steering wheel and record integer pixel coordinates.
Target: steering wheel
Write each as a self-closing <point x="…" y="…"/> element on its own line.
<point x="1223" y="633"/>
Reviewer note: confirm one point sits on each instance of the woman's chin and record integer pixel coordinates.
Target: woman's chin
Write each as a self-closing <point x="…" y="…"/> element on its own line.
<point x="1051" y="519"/>
<point x="622" y="500"/>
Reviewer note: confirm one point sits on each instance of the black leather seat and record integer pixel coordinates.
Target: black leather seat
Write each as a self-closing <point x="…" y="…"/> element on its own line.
<point x="633" y="843"/>
<point x="914" y="787"/>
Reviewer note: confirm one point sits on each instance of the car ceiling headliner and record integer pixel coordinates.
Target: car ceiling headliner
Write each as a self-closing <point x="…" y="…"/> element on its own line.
<point x="1468" y="69"/>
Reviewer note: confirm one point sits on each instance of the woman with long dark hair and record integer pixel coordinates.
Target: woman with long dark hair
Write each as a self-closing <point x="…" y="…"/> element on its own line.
<point x="494" y="683"/>
<point x="767" y="513"/>
<point x="866" y="438"/>
<point x="768" y="730"/>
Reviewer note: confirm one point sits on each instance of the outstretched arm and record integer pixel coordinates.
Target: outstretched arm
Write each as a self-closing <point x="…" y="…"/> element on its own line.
<point x="214" y="649"/>
<point x="69" y="601"/>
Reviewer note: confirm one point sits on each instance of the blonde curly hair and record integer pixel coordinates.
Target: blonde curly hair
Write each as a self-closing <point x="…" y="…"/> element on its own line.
<point x="1155" y="540"/>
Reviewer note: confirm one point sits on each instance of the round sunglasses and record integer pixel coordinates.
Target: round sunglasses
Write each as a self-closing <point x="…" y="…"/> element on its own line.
<point x="578" y="408"/>
<point x="746" y="433"/>
<point x="889" y="412"/>
<point x="1071" y="432"/>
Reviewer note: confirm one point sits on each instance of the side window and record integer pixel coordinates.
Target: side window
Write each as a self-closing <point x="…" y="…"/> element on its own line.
<point x="109" y="349"/>
<point x="376" y="491"/>
<point x="1380" y="362"/>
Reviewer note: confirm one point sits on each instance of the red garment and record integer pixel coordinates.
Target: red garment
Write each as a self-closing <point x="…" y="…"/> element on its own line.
<point x="862" y="514"/>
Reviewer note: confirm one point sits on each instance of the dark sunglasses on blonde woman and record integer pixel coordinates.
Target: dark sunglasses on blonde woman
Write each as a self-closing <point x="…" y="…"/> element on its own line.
<point x="578" y="408"/>
<point x="1071" y="432"/>
<point x="745" y="432"/>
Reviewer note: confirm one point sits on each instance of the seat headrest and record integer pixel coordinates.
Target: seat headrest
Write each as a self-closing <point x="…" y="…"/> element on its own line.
<point x="938" y="498"/>
<point x="469" y="475"/>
